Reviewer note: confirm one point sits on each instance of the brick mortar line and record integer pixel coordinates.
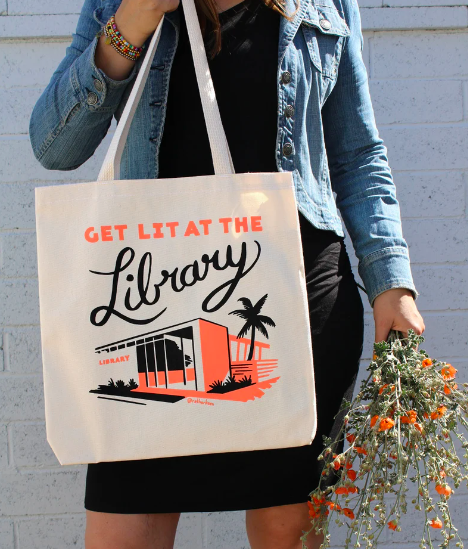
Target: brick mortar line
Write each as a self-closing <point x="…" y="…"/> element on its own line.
<point x="23" y="471"/>
<point x="13" y="375"/>
<point x="59" y="14"/>
<point x="17" y="278"/>
<point x="37" y="39"/>
<point x="370" y="58"/>
<point x="422" y="172"/>
<point x="435" y="312"/>
<point x="31" y="422"/>
<point x="20" y="325"/>
<point x="15" y="421"/>
<point x="16" y="537"/>
<point x="417" y="78"/>
<point x="440" y="265"/>
<point x="17" y="231"/>
<point x="444" y="264"/>
<point x="465" y="178"/>
<point x="38" y="469"/>
<point x="58" y="181"/>
<point x="447" y="359"/>
<point x="6" y="353"/>
<point x="422" y="30"/>
<point x="388" y="7"/>
<point x="11" y="458"/>
<point x="464" y="99"/>
<point x="461" y="124"/>
<point x="30" y="518"/>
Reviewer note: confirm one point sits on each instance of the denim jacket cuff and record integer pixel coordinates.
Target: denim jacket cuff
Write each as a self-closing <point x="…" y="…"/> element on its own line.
<point x="94" y="88"/>
<point x="386" y="269"/>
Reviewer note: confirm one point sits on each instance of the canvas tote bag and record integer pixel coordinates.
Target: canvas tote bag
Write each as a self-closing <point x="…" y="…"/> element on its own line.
<point x="174" y="316"/>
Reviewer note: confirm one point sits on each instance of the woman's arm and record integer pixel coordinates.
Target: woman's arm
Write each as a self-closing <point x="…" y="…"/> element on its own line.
<point x="74" y="112"/>
<point x="360" y="174"/>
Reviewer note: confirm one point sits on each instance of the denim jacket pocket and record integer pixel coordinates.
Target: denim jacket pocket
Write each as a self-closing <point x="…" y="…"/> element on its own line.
<point x="107" y="8"/>
<point x="325" y="32"/>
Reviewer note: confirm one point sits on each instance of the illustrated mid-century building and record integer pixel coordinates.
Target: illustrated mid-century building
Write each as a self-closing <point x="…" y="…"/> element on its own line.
<point x="191" y="355"/>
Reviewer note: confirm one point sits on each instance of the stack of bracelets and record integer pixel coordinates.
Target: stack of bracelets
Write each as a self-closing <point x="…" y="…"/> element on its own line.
<point x="118" y="42"/>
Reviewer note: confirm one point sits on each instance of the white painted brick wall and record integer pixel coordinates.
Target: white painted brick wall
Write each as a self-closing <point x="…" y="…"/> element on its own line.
<point x="415" y="52"/>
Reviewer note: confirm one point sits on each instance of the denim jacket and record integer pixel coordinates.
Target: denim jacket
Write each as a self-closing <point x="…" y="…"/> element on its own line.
<point x="327" y="135"/>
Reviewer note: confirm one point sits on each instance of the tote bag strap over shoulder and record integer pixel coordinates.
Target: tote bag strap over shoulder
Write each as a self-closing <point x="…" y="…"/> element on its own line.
<point x="218" y="143"/>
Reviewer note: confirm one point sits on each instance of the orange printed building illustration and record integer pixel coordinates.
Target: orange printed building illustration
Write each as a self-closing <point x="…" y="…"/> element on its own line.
<point x="197" y="356"/>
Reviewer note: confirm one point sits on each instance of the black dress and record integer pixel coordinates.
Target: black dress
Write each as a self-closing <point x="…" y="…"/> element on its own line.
<point x="245" y="80"/>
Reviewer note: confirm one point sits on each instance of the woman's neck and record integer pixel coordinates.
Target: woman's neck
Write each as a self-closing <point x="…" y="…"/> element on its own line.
<point x="224" y="5"/>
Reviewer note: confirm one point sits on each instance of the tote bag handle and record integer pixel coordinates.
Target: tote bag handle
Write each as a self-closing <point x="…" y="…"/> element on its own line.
<point x="222" y="161"/>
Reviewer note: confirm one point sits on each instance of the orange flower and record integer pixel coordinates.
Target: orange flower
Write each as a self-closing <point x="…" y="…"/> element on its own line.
<point x="374" y="420"/>
<point x="352" y="489"/>
<point x="410" y="417"/>
<point x="448" y="390"/>
<point x="443" y="474"/>
<point x="347" y="511"/>
<point x="333" y="505"/>
<point x="314" y="511"/>
<point x="448" y="372"/>
<point x="348" y="464"/>
<point x="418" y="427"/>
<point x="336" y="464"/>
<point x="426" y="415"/>
<point x="350" y="438"/>
<point x="439" y="413"/>
<point x="392" y="524"/>
<point x="444" y="490"/>
<point x="382" y="389"/>
<point x="360" y="450"/>
<point x="352" y="474"/>
<point x="426" y="363"/>
<point x="392" y="388"/>
<point x="374" y="356"/>
<point x="318" y="501"/>
<point x="386" y="424"/>
<point x="341" y="490"/>
<point x="435" y="523"/>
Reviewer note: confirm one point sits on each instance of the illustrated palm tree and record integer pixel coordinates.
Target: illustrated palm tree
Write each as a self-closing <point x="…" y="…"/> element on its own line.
<point x="253" y="320"/>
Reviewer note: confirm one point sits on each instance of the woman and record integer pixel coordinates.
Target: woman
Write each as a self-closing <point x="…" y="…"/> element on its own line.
<point x="293" y="95"/>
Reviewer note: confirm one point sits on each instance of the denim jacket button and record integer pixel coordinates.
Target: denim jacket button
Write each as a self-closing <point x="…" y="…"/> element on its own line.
<point x="92" y="98"/>
<point x="325" y="24"/>
<point x="289" y="111"/>
<point x="287" y="149"/>
<point x="98" y="85"/>
<point x="286" y="77"/>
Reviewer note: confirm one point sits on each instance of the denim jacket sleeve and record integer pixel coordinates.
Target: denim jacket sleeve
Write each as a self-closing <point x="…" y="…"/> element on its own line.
<point x="360" y="174"/>
<point x="74" y="112"/>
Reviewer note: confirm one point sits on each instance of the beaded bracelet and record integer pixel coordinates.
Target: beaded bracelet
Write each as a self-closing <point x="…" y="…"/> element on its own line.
<point x="118" y="42"/>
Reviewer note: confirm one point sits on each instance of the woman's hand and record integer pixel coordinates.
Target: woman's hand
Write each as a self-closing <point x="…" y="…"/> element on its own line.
<point x="138" y="19"/>
<point x="395" y="309"/>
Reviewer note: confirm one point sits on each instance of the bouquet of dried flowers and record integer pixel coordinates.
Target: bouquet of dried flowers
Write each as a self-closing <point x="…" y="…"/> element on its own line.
<point x="407" y="421"/>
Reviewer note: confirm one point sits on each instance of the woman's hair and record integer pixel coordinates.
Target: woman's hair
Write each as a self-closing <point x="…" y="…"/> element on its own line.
<point x="211" y="27"/>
